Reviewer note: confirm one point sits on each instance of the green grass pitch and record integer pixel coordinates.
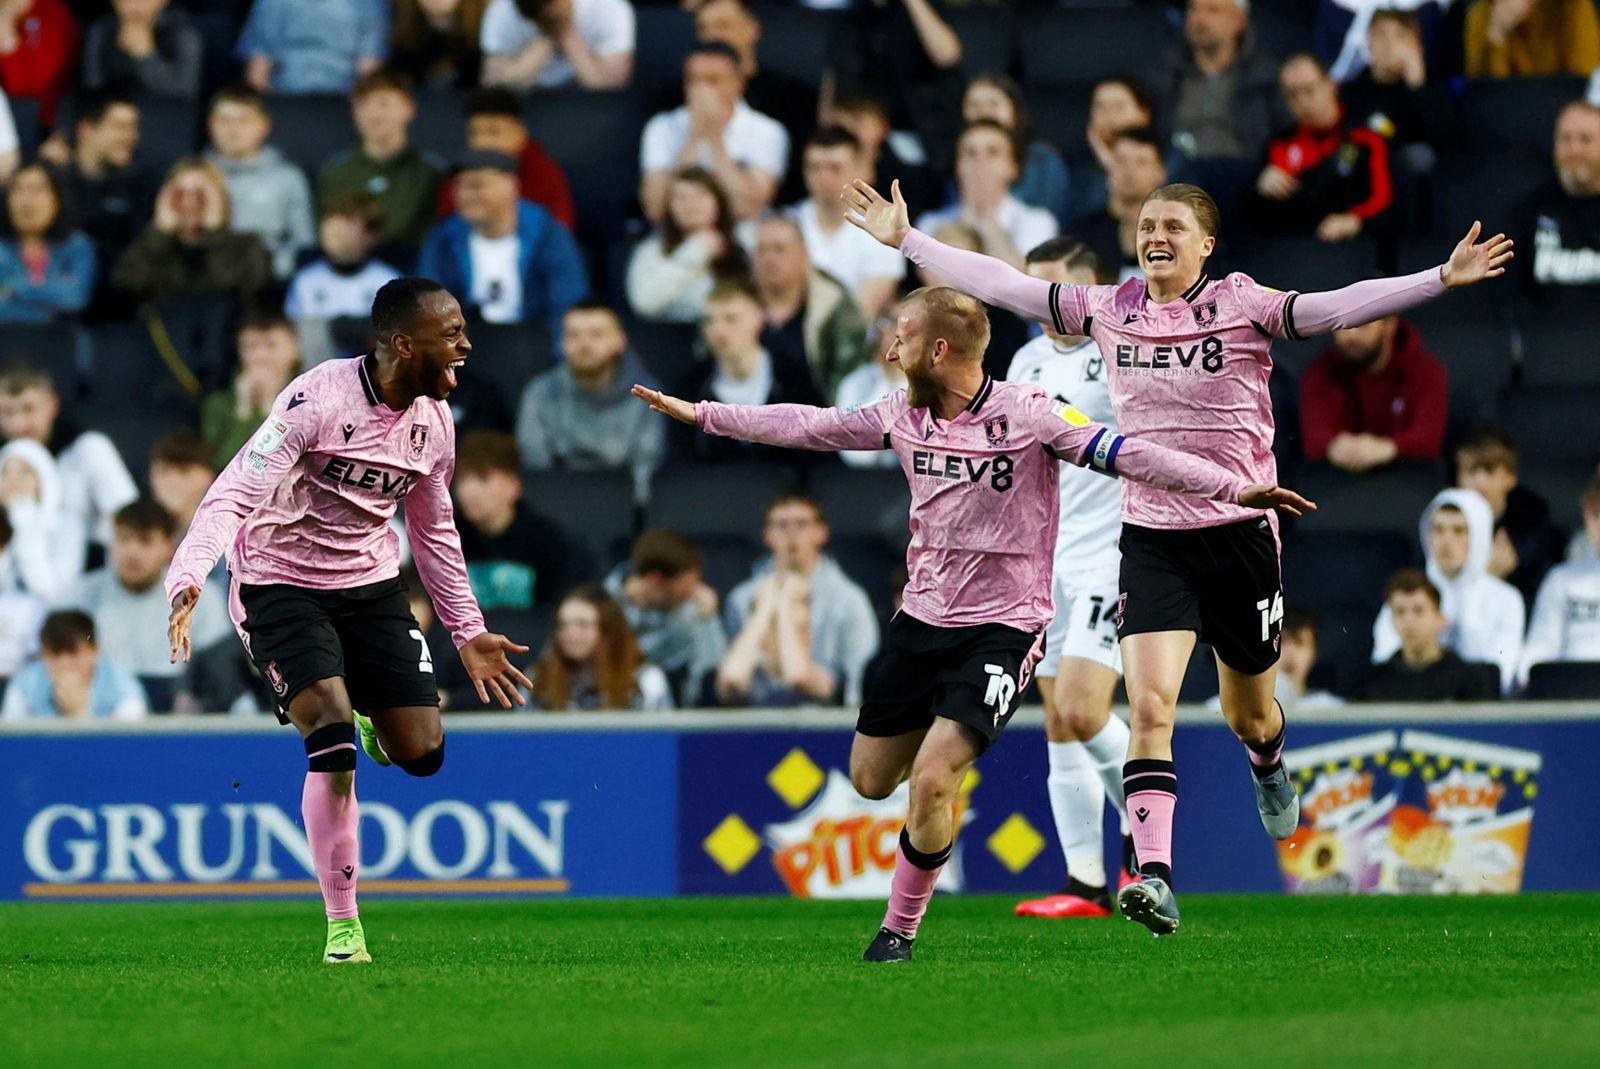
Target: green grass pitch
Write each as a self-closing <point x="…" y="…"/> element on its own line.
<point x="1290" y="982"/>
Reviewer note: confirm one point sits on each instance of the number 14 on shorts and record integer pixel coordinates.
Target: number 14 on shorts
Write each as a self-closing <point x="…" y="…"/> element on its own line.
<point x="1271" y="613"/>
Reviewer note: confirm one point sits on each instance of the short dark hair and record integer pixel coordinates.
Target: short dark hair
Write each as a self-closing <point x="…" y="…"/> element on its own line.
<point x="736" y="287"/>
<point x="93" y="109"/>
<point x="1000" y="128"/>
<point x="382" y="78"/>
<point x="665" y="552"/>
<point x="1073" y="254"/>
<point x="65" y="630"/>
<point x="1136" y="88"/>
<point x="145" y="516"/>
<point x="494" y="100"/>
<point x="595" y="304"/>
<point x="714" y="48"/>
<point x="833" y="137"/>
<point x="794" y="496"/>
<point x="482" y="452"/>
<point x="1305" y="57"/>
<point x="360" y="204"/>
<point x="266" y="319"/>
<point x="23" y="374"/>
<point x="1407" y="19"/>
<point x="61" y="226"/>
<point x="1141" y="135"/>
<point x="240" y="93"/>
<point x="184" y="447"/>
<point x="1297" y="618"/>
<point x="397" y="301"/>
<point x="1489" y="447"/>
<point x="861" y="100"/>
<point x="1412" y="581"/>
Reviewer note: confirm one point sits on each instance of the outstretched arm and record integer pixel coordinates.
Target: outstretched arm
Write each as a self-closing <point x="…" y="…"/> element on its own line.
<point x="1362" y="302"/>
<point x="790" y="426"/>
<point x="991" y="280"/>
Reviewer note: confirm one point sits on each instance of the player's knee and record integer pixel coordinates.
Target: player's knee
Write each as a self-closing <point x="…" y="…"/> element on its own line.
<point x="425" y="764"/>
<point x="871" y="784"/>
<point x="932" y="788"/>
<point x="321" y="704"/>
<point x="1152" y="711"/>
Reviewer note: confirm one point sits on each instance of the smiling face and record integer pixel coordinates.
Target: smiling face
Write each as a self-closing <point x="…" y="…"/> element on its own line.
<point x="114" y="138"/>
<point x="438" y="344"/>
<point x="1172" y="246"/>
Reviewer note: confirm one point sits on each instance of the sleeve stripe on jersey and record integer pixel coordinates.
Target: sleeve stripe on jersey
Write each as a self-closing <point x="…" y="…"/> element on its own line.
<point x="1288" y="319"/>
<point x="1055" y="308"/>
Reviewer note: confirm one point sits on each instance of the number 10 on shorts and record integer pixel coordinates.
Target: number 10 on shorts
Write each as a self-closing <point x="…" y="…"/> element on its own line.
<point x="1271" y="613"/>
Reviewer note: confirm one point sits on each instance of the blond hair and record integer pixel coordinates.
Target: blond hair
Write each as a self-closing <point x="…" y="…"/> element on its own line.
<point x="1198" y="200"/>
<point x="954" y="316"/>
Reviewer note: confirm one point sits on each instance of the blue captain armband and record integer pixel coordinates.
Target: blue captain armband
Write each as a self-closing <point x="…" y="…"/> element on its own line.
<point x="1103" y="451"/>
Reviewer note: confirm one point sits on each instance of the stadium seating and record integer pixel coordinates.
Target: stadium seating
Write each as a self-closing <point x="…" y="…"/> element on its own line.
<point x="1391" y="499"/>
<point x="1514" y="117"/>
<point x="988" y="35"/>
<point x="1557" y="423"/>
<point x="665" y="34"/>
<point x="1559" y="484"/>
<point x="717" y="499"/>
<point x="1073" y="46"/>
<point x="869" y="502"/>
<point x="596" y="508"/>
<point x="1563" y="680"/>
<point x="510" y="354"/>
<point x="794" y="40"/>
<point x="171" y="129"/>
<point x="311" y="129"/>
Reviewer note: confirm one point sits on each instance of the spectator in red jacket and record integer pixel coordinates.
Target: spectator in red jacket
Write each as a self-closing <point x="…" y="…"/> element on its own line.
<point x="1375" y="396"/>
<point x="1325" y="176"/>
<point x="494" y="124"/>
<point x="38" y="48"/>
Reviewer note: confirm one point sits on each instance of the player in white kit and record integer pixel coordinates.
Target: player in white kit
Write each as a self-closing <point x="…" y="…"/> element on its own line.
<point x="1082" y="660"/>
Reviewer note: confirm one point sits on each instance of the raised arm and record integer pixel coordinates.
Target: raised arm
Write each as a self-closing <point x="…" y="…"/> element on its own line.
<point x="1362" y="302"/>
<point x="790" y="426"/>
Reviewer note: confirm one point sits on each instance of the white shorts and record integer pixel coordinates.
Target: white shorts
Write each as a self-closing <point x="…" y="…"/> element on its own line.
<point x="1082" y="626"/>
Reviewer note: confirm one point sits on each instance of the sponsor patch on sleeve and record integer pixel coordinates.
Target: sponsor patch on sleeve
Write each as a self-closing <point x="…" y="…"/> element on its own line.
<point x="1070" y="415"/>
<point x="255" y="460"/>
<point x="271" y="436"/>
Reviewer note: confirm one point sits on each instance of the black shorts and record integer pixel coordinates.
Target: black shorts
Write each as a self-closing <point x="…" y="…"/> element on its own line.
<point x="1223" y="583"/>
<point x="366" y="635"/>
<point x="972" y="675"/>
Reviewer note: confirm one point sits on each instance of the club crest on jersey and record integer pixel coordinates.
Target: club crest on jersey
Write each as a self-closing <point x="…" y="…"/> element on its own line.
<point x="997" y="430"/>
<point x="1093" y="368"/>
<point x="1205" y="314"/>
<point x="419" y="440"/>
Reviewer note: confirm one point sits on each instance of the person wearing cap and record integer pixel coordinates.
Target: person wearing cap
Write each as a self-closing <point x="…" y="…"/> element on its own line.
<point x="495" y="122"/>
<point x="507" y="258"/>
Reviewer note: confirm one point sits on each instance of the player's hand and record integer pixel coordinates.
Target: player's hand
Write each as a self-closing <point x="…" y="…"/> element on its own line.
<point x="887" y="220"/>
<point x="1281" y="498"/>
<point x="1340" y="226"/>
<point x="179" y="620"/>
<point x="1276" y="183"/>
<point x="1474" y="260"/>
<point x="485" y="660"/>
<point x="679" y="409"/>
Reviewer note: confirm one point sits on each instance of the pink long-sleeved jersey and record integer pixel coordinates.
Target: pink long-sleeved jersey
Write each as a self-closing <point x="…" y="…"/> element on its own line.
<point x="1191" y="374"/>
<point x="984" y="488"/>
<point x="308" y="501"/>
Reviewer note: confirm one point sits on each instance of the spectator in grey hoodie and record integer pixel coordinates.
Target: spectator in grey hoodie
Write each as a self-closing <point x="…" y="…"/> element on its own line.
<point x="580" y="414"/>
<point x="663" y="593"/>
<point x="271" y="197"/>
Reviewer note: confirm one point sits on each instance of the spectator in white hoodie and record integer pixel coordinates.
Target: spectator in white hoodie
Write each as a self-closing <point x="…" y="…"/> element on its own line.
<point x="1566" y="614"/>
<point x="1484" y="615"/>
<point x="46" y="553"/>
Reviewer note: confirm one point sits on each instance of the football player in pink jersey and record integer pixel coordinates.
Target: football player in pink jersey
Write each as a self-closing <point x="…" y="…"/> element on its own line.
<point x="1189" y="359"/>
<point x="981" y="458"/>
<point x="302" y="512"/>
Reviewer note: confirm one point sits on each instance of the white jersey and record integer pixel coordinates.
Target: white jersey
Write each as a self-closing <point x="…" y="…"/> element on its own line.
<point x="1566" y="616"/>
<point x="1091" y="503"/>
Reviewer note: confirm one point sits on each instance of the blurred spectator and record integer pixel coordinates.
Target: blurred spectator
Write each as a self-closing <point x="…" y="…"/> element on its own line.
<point x="1566" y="614"/>
<point x="549" y="43"/>
<point x="812" y="324"/>
<point x="1558" y="225"/>
<point x="1007" y="333"/>
<point x="180" y="474"/>
<point x="94" y="481"/>
<point x="580" y="415"/>
<point x="663" y="593"/>
<point x="269" y="356"/>
<point x="802" y="631"/>
<point x="1526" y="543"/>
<point x="592" y="661"/>
<point x="1043" y="182"/>
<point x="1135" y="169"/>
<point x="312" y="46"/>
<point x="905" y="52"/>
<point x="1299" y="658"/>
<point x="435" y="42"/>
<point x="1374" y="396"/>
<point x="1484" y="616"/>
<point x="10" y="146"/>
<point x="269" y="196"/>
<point x="870" y="270"/>
<point x="1343" y="36"/>
<point x="716" y="129"/>
<point x="143" y="46"/>
<point x="21" y="613"/>
<point x="495" y="124"/>
<point x="691" y="250"/>
<point x="342" y="283"/>
<point x="1393" y="95"/>
<point x="190" y="249"/>
<point x="1421" y="668"/>
<point x="130" y="607"/>
<point x="886" y="156"/>
<point x="386" y="164"/>
<point x="46" y="550"/>
<point x="507" y="258"/>
<point x="988" y="162"/>
<point x="71" y="679"/>
<point x="1531" y="38"/>
<point x="47" y="269"/>
<point x="516" y="559"/>
<point x="38" y="52"/>
<point x="740" y="372"/>
<point x="868" y="384"/>
<point x="112" y="196"/>
<point x="1118" y="103"/>
<point x="736" y="24"/>
<point x="1326" y="176"/>
<point x="1222" y="95"/>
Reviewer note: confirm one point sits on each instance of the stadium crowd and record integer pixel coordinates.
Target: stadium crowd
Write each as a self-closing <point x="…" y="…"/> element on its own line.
<point x="202" y="197"/>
